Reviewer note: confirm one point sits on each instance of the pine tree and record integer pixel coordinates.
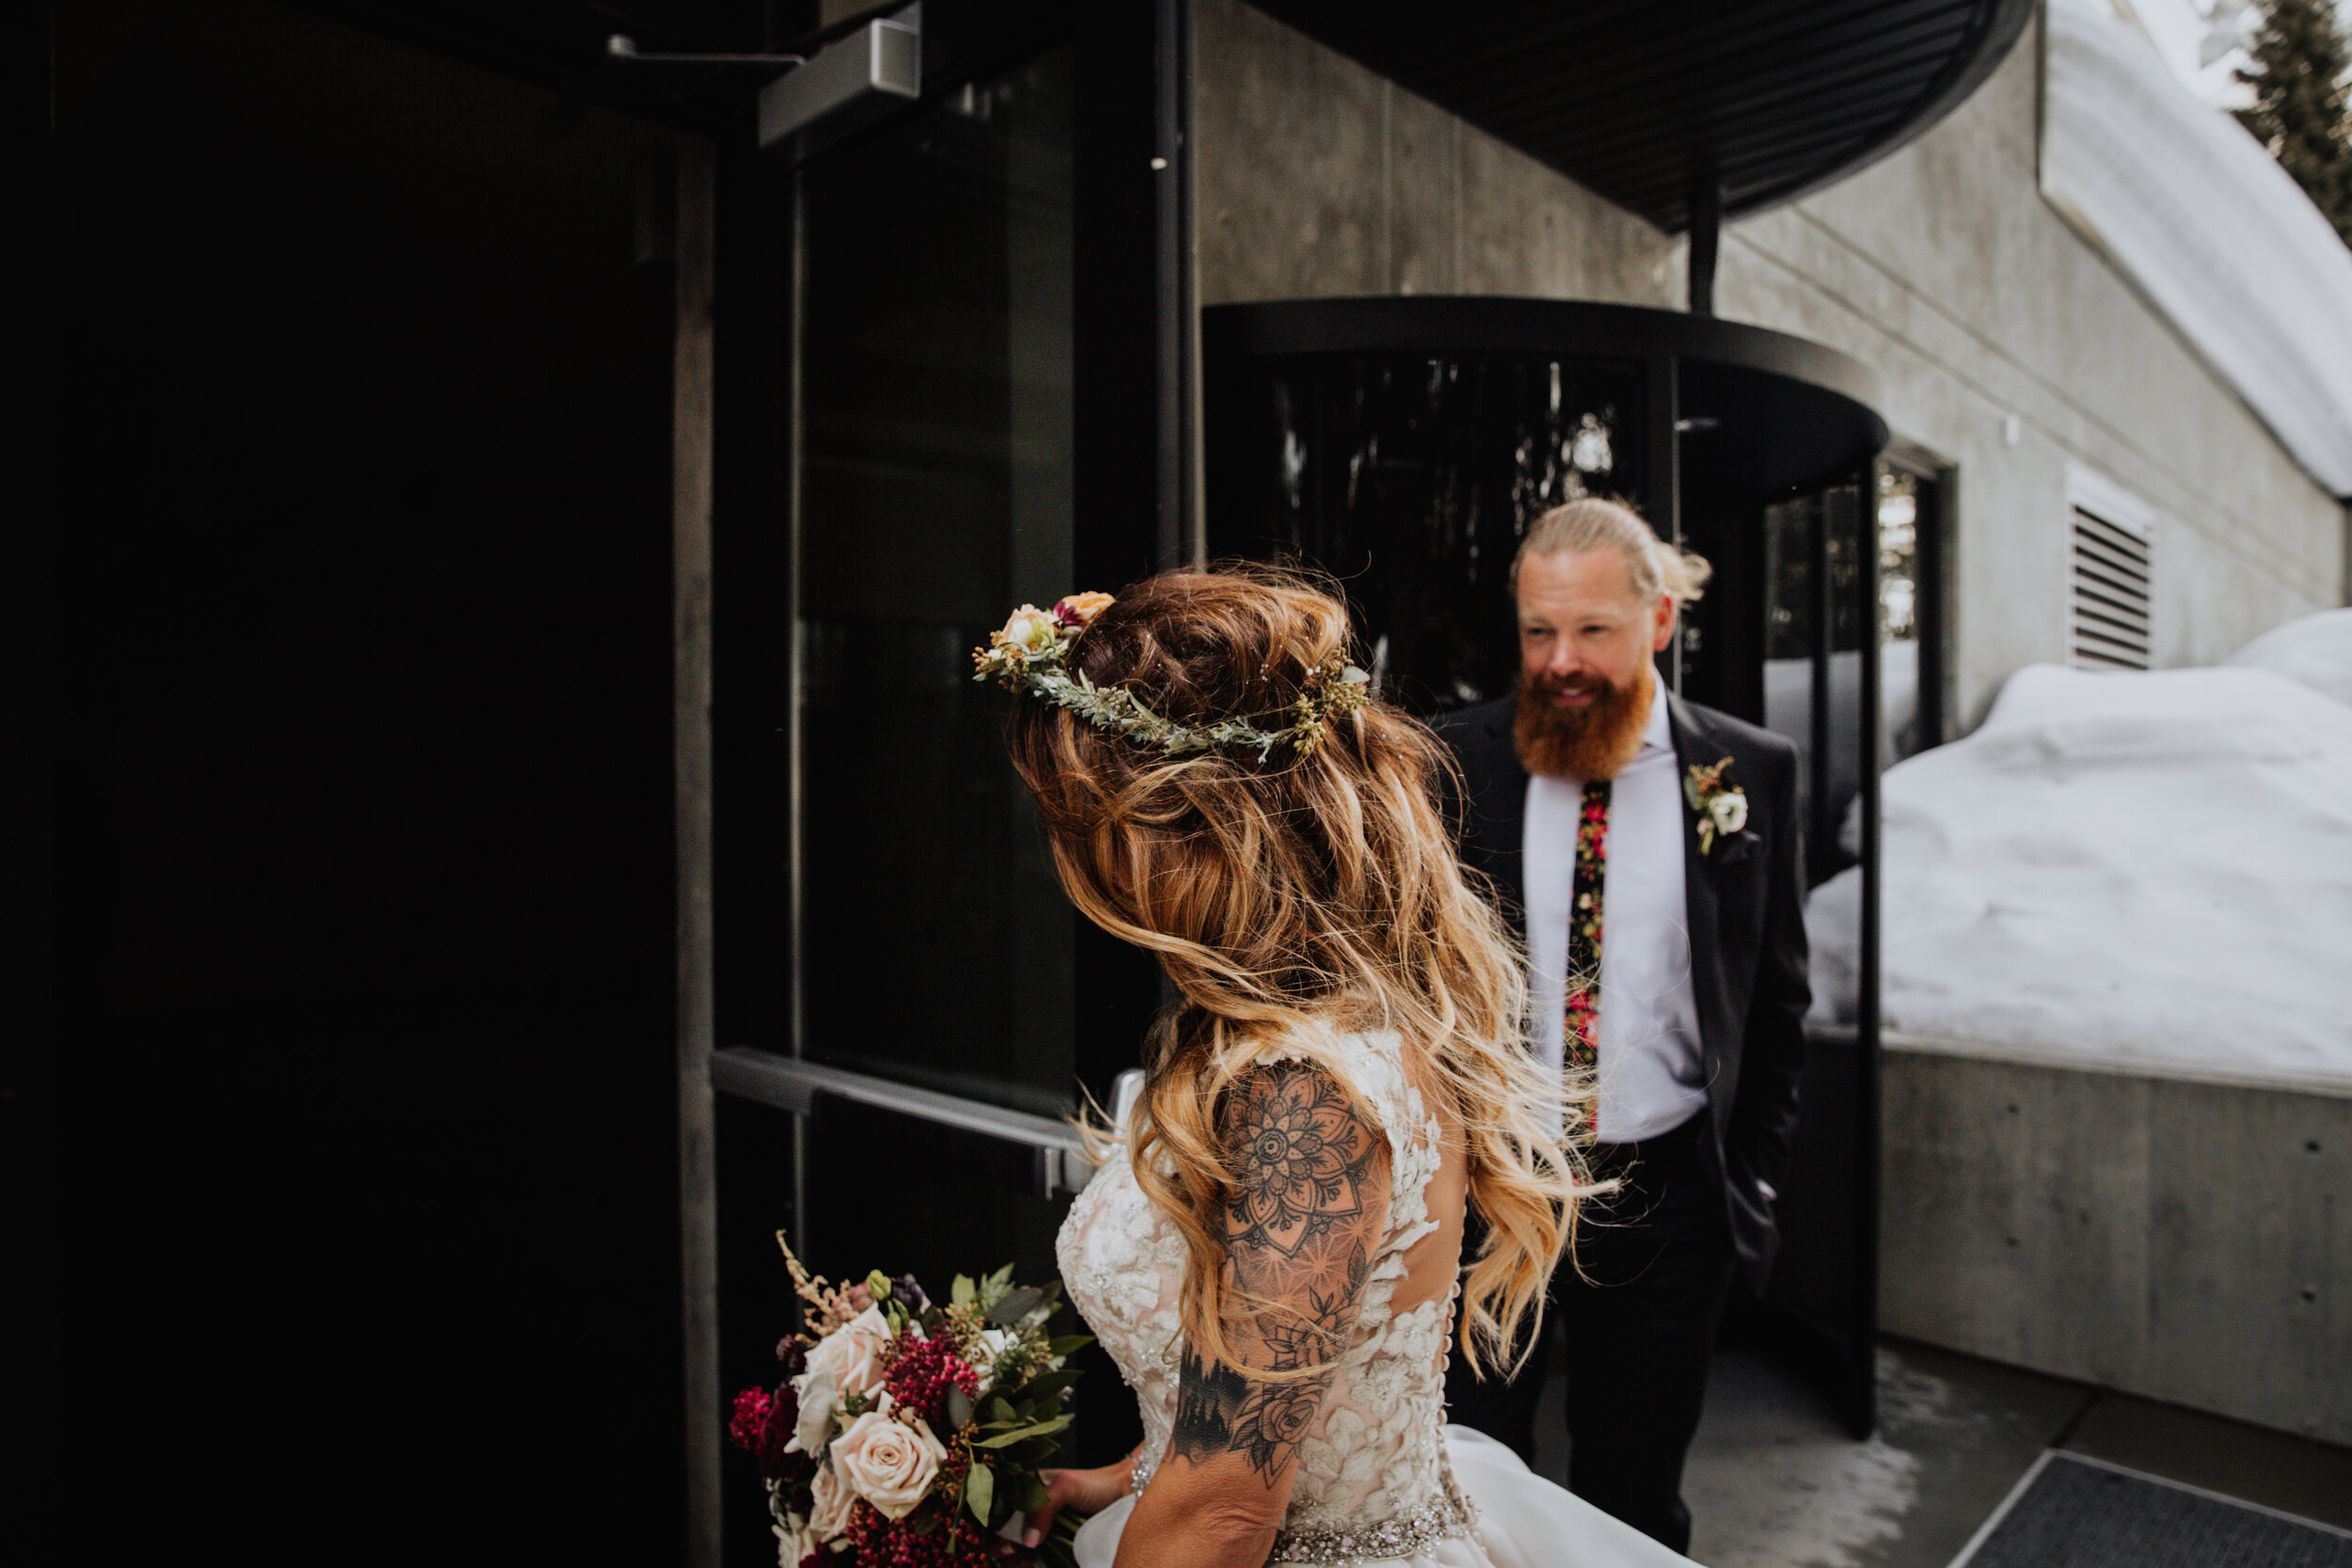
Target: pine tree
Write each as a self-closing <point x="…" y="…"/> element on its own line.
<point x="2300" y="112"/>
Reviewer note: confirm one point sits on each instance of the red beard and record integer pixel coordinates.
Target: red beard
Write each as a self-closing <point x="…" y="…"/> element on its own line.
<point x="1588" y="742"/>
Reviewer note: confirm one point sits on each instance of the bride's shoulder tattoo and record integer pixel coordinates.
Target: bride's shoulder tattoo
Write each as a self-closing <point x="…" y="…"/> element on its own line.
<point x="1299" y="1154"/>
<point x="1308" y="1195"/>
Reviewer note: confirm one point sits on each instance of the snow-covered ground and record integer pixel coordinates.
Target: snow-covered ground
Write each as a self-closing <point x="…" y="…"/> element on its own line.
<point x="2146" y="867"/>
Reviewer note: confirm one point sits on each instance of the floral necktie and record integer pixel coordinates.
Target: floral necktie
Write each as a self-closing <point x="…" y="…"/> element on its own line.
<point x="1581" y="1036"/>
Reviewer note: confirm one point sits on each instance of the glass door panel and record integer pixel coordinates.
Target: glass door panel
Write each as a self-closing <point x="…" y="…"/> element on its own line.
<point x="933" y="1051"/>
<point x="935" y="944"/>
<point x="1822" y="617"/>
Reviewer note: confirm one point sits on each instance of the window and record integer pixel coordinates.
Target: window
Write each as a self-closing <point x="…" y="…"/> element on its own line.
<point x="2109" y="573"/>
<point x="1914" y="523"/>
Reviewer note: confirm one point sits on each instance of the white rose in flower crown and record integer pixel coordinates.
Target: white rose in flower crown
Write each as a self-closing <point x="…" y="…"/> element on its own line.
<point x="1730" y="812"/>
<point x="1030" y="627"/>
<point x="852" y="1353"/>
<point x="831" y="1502"/>
<point x="889" y="1463"/>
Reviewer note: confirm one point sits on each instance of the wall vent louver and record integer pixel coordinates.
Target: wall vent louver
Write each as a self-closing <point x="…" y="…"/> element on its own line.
<point x="2110" y="579"/>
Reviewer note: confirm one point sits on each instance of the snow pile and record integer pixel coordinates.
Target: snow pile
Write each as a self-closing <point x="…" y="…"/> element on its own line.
<point x="2217" y="236"/>
<point x="2315" y="650"/>
<point x="2152" y="867"/>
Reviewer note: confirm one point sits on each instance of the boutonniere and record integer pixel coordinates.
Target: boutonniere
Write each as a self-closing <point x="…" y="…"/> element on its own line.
<point x="1721" y="808"/>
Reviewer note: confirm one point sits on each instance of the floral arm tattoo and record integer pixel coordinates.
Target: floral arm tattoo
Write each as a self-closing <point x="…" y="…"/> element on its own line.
<point x="1308" y="1206"/>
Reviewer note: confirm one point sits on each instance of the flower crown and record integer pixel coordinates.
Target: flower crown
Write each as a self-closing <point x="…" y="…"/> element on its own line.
<point x="1031" y="655"/>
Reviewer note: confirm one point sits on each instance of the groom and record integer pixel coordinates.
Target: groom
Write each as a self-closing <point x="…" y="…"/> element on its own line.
<point x="1649" y="848"/>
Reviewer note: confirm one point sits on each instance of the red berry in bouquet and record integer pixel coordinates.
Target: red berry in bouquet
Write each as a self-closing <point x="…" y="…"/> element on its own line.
<point x="921" y="1374"/>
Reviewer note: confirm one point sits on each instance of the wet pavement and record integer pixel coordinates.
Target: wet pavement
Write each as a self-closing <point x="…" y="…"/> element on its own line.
<point x="1775" y="1481"/>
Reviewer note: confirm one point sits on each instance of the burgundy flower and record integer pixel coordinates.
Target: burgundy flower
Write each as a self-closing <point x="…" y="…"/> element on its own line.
<point x="748" y="1429"/>
<point x="784" y="1414"/>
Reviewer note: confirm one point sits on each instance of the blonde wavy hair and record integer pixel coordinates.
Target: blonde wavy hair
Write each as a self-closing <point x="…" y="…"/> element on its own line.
<point x="1288" y="898"/>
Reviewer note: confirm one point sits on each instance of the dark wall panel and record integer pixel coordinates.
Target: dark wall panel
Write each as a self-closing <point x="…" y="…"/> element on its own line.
<point x="366" y="935"/>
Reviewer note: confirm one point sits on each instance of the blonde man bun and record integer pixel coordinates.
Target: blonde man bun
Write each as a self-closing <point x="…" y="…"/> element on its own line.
<point x="1594" y="524"/>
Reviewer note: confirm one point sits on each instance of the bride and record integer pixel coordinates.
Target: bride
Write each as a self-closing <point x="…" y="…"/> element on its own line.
<point x="1273" y="1249"/>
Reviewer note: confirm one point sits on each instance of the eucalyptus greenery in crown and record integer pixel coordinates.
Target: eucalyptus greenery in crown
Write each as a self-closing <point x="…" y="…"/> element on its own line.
<point x="1031" y="654"/>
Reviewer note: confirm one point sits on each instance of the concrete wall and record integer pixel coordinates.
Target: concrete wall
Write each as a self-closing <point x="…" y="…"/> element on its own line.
<point x="2190" y="1242"/>
<point x="1941" y="266"/>
<point x="1314" y="177"/>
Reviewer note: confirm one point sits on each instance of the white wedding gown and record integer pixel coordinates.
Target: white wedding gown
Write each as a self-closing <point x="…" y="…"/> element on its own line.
<point x="1382" y="1480"/>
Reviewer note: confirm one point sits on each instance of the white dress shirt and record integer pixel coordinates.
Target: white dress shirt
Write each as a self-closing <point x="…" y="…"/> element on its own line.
<point x="1652" y="1073"/>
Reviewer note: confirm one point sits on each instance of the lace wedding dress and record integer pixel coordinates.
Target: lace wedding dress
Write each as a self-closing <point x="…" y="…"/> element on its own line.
<point x="1382" y="1477"/>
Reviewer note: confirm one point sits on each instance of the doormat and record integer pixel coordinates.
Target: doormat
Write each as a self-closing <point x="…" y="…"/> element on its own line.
<point x="2075" y="1512"/>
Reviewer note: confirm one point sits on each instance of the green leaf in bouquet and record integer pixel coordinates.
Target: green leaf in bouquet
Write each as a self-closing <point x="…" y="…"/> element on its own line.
<point x="1067" y="1344"/>
<point x="979" y="1491"/>
<point x="1038" y="1429"/>
<point x="1047" y="1385"/>
<point x="1013" y="1306"/>
<point x="963" y="1293"/>
<point x="959" y="1412"/>
<point x="1032" y="1495"/>
<point x="1000" y="1412"/>
<point x="995" y="1285"/>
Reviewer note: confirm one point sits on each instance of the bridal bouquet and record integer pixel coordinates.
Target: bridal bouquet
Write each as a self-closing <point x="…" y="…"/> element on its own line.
<point x="907" y="1434"/>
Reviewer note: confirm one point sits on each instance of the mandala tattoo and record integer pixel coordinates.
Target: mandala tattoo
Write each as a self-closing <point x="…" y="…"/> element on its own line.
<point x="1309" y="1198"/>
<point x="1298" y="1152"/>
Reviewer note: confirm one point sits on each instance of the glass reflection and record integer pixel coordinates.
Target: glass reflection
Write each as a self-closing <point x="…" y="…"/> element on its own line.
<point x="935" y="944"/>
<point x="1412" y="479"/>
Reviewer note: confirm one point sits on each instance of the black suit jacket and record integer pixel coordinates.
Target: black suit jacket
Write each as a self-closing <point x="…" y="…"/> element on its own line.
<point x="1748" y="957"/>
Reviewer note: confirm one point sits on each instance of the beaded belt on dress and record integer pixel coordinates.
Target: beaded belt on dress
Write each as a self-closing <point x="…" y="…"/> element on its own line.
<point x="1450" y="1515"/>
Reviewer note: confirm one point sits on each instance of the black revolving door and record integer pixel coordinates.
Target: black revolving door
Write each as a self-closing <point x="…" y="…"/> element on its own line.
<point x="1404" y="444"/>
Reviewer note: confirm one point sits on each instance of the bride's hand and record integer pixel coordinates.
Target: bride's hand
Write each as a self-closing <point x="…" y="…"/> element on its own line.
<point x="1087" y="1491"/>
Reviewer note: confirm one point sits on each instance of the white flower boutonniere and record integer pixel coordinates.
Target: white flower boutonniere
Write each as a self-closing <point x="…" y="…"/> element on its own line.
<point x="1721" y="808"/>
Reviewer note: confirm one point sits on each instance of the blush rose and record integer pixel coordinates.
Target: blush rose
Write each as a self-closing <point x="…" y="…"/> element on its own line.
<point x="831" y="1503"/>
<point x="853" y="1353"/>
<point x="889" y="1463"/>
